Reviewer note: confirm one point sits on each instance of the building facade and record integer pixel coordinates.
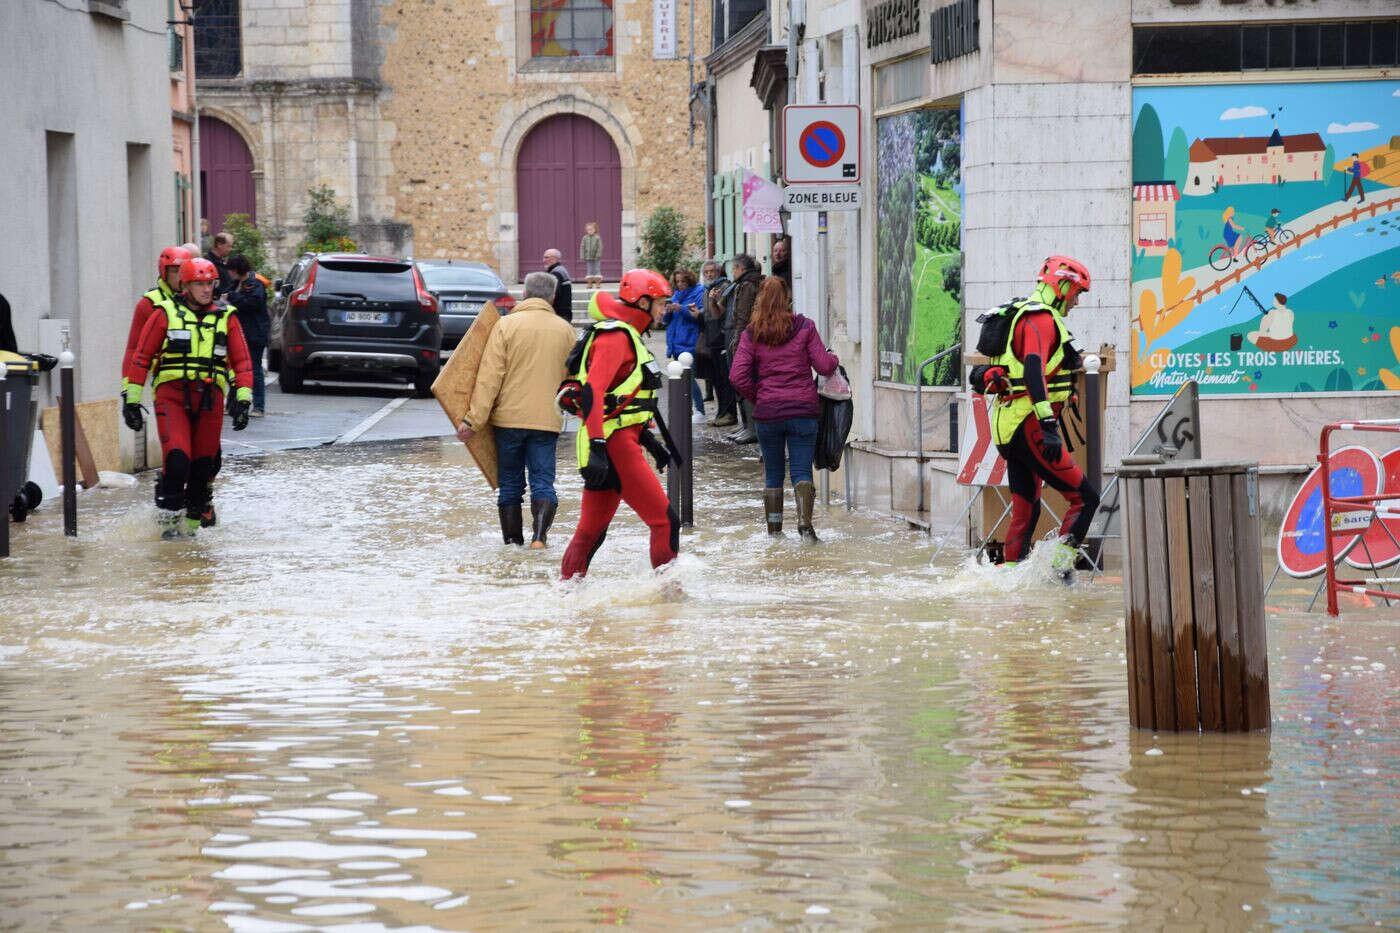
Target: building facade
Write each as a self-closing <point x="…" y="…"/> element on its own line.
<point x="291" y="99"/>
<point x="987" y="153"/>
<point x="180" y="41"/>
<point x="88" y="197"/>
<point x="523" y="121"/>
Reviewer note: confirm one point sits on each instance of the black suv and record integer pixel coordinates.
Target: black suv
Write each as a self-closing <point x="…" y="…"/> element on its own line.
<point x="461" y="288"/>
<point x="350" y="313"/>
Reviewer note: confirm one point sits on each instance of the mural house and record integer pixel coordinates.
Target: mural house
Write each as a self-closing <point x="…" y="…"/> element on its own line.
<point x="1253" y="160"/>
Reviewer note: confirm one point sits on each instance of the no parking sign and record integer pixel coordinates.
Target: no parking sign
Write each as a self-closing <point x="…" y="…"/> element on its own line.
<point x="1302" y="548"/>
<point x="821" y="144"/>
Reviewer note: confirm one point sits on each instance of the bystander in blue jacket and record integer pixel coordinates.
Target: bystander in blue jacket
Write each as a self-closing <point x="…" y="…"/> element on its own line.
<point x="683" y="319"/>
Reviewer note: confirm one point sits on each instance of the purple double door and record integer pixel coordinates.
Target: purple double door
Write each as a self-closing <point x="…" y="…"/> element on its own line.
<point x="567" y="174"/>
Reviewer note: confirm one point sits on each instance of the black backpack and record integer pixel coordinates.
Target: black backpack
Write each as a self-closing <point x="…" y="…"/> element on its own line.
<point x="996" y="328"/>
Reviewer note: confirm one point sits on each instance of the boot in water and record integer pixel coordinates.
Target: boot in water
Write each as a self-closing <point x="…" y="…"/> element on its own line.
<point x="542" y="511"/>
<point x="512" y="524"/>
<point x="171" y="523"/>
<point x="806" y="495"/>
<point x="773" y="510"/>
<point x="1063" y="556"/>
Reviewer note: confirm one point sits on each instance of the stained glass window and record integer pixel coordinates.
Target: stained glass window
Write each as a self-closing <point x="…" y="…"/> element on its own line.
<point x="571" y="28"/>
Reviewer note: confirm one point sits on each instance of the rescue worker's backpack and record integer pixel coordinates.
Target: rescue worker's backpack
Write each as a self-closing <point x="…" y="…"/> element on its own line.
<point x="996" y="328"/>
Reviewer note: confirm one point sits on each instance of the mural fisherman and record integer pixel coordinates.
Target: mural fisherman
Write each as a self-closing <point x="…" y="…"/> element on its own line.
<point x="1031" y="375"/>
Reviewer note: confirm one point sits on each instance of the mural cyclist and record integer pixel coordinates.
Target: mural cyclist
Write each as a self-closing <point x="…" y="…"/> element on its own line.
<point x="1031" y="376"/>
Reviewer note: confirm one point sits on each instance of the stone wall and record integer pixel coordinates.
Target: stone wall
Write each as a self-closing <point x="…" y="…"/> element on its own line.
<point x="309" y="105"/>
<point x="462" y="106"/>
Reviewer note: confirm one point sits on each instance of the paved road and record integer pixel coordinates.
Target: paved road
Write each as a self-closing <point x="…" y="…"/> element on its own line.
<point x="337" y="413"/>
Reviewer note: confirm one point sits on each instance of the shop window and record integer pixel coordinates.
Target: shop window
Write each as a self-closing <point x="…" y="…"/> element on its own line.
<point x="1152" y="230"/>
<point x="571" y="29"/>
<point x="218" y="40"/>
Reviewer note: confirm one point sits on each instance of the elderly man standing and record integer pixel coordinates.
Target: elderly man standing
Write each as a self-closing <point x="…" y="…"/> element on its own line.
<point x="520" y="373"/>
<point x="564" y="290"/>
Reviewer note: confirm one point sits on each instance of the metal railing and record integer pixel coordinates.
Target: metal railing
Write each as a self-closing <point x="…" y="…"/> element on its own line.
<point x="919" y="413"/>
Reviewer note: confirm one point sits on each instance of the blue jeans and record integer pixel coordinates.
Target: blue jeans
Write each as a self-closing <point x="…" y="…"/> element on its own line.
<point x="521" y="449"/>
<point x="800" y="437"/>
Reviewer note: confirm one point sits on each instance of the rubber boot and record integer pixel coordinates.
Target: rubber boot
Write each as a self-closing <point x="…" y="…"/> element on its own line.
<point x="512" y="531"/>
<point x="806" y="495"/>
<point x="773" y="510"/>
<point x="171" y="523"/>
<point x="542" y="511"/>
<point x="1063" y="556"/>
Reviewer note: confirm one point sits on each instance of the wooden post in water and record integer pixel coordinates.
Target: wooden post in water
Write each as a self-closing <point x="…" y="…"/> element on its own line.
<point x="1193" y="589"/>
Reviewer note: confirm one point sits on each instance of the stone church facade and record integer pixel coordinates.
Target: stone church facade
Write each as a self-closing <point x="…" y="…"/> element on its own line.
<point x="481" y="129"/>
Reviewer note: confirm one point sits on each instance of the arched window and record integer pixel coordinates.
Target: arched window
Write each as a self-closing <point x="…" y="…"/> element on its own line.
<point x="218" y="39"/>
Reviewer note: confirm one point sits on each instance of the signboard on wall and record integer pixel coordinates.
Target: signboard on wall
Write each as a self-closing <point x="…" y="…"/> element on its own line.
<point x="663" y="29"/>
<point x="1266" y="238"/>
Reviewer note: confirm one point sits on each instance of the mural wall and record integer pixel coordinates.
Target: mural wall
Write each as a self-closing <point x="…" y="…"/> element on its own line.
<point x="918" y="279"/>
<point x="1266" y="238"/>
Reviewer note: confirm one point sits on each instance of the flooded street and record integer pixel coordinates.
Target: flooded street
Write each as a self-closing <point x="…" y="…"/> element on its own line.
<point x="350" y="708"/>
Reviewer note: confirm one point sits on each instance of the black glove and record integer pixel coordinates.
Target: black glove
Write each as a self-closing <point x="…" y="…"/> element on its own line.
<point x="45" y="362"/>
<point x="1051" y="447"/>
<point x="133" y="416"/>
<point x="240" y="414"/>
<point x="595" y="471"/>
<point x="657" y="449"/>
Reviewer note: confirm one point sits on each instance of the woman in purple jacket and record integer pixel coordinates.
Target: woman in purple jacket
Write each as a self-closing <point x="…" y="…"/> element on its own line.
<point x="773" y="370"/>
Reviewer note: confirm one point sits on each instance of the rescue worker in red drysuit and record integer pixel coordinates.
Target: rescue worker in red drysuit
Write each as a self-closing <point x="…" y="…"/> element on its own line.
<point x="1031" y="381"/>
<point x="618" y="379"/>
<point x="195" y="349"/>
<point x="166" y="287"/>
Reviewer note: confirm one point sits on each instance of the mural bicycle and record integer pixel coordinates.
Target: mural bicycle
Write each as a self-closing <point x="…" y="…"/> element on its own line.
<point x="1266" y="238"/>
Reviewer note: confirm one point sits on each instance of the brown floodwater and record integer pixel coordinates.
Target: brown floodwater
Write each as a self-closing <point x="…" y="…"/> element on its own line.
<point x="350" y="708"/>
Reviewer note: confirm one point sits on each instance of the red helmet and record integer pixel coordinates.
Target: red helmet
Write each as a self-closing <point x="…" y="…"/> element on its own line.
<point x="171" y="256"/>
<point x="198" y="270"/>
<point x="637" y="283"/>
<point x="1062" y="273"/>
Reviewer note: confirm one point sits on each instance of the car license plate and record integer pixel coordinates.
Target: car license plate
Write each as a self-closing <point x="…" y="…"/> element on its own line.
<point x="462" y="307"/>
<point x="365" y="317"/>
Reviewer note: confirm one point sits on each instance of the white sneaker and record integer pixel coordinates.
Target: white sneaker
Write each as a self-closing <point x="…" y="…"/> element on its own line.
<point x="698" y="418"/>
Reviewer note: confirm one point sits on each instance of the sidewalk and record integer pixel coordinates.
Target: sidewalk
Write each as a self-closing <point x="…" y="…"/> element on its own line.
<point x="336" y="413"/>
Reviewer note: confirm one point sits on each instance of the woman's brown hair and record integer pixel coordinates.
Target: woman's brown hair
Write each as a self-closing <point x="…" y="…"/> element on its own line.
<point x="771" y="323"/>
<point x="686" y="275"/>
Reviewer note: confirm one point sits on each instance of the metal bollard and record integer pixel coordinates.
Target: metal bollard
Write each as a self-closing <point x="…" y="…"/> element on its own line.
<point x="68" y="430"/>
<point x="5" y="453"/>
<point x="1093" y="439"/>
<point x="679" y="477"/>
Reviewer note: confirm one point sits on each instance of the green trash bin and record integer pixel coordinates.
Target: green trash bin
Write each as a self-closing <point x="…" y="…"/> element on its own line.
<point x="18" y="420"/>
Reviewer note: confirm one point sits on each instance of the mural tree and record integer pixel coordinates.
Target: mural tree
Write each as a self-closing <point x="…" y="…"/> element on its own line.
<point x="1178" y="159"/>
<point x="1147" y="146"/>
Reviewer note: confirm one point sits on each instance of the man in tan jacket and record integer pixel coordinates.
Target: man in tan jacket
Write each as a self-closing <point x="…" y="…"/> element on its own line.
<point x="515" y="387"/>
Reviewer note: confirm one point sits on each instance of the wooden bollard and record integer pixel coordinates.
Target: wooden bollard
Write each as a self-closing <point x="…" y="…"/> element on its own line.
<point x="1196" y="647"/>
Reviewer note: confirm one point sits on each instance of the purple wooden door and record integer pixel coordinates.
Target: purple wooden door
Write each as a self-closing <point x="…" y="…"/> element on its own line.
<point x="225" y="173"/>
<point x="567" y="174"/>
